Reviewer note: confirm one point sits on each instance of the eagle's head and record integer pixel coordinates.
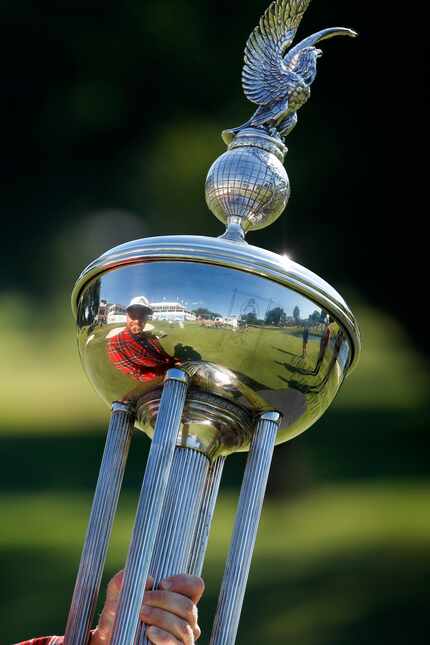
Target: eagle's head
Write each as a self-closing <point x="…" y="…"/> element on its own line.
<point x="304" y="63"/>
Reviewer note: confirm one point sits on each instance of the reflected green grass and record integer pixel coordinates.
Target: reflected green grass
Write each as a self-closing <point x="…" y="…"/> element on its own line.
<point x="325" y="567"/>
<point x="46" y="382"/>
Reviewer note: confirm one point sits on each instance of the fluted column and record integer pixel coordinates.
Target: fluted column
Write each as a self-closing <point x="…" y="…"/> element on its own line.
<point x="248" y="513"/>
<point x="99" y="529"/>
<point x="204" y="521"/>
<point x="179" y="517"/>
<point x="149" y="506"/>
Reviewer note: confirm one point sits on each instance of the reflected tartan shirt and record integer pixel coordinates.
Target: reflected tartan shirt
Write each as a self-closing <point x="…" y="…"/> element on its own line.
<point x="140" y="357"/>
<point x="44" y="640"/>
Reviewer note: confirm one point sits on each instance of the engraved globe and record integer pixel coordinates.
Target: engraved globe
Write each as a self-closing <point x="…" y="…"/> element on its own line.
<point x="248" y="185"/>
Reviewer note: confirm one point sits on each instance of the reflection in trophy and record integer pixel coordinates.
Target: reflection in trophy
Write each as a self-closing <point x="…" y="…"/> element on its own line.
<point x="255" y="362"/>
<point x="134" y="349"/>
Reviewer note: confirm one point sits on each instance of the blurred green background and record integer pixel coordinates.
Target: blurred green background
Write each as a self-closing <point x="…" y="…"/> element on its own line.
<point x="113" y="114"/>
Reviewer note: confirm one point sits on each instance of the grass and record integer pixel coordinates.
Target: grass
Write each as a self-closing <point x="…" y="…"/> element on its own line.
<point x="343" y="554"/>
<point x="325" y="565"/>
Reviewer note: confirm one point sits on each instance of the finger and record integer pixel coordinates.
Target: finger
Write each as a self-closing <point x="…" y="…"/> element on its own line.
<point x="149" y="583"/>
<point x="160" y="637"/>
<point x="107" y="616"/>
<point x="115" y="585"/>
<point x="168" y="622"/>
<point x="190" y="586"/>
<point x="175" y="603"/>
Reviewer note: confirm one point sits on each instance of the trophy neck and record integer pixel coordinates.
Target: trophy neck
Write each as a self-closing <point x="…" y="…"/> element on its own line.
<point x="255" y="138"/>
<point x="210" y="424"/>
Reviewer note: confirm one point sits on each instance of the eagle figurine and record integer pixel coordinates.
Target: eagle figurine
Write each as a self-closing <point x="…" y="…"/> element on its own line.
<point x="278" y="78"/>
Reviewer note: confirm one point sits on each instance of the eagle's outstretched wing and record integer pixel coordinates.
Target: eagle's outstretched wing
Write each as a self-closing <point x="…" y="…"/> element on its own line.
<point x="264" y="72"/>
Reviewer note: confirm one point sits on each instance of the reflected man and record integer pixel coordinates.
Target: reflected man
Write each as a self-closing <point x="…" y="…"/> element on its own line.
<point x="134" y="349"/>
<point x="305" y="340"/>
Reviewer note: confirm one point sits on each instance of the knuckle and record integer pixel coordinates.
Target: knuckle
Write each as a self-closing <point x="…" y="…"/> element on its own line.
<point x="147" y="612"/>
<point x="149" y="596"/>
<point x="158" y="636"/>
<point x="197" y="587"/>
<point x="185" y="630"/>
<point x="200" y="584"/>
<point x="166" y="638"/>
<point x="195" y="614"/>
<point x="189" y="611"/>
<point x="178" y="580"/>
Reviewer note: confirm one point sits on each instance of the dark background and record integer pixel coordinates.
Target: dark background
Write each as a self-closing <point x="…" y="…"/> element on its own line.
<point x="111" y="115"/>
<point x="91" y="89"/>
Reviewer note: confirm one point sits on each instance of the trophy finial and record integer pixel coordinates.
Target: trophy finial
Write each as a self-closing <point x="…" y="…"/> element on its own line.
<point x="278" y="79"/>
<point x="247" y="187"/>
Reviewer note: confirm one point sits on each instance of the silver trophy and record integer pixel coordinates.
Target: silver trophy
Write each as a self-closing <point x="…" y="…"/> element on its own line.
<point x="210" y="346"/>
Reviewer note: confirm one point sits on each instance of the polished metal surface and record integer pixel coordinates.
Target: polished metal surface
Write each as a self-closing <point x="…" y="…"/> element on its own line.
<point x="275" y="77"/>
<point x="210" y="424"/>
<point x="179" y="518"/>
<point x="246" y="339"/>
<point x="103" y="511"/>
<point x="248" y="513"/>
<point x="247" y="187"/>
<point x="221" y="252"/>
<point x="204" y="520"/>
<point x="149" y="508"/>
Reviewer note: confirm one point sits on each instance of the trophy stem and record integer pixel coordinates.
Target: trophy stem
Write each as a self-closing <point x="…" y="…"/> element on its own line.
<point x="204" y="521"/>
<point x="99" y="529"/>
<point x="251" y="499"/>
<point x="178" y="519"/>
<point x="150" y="505"/>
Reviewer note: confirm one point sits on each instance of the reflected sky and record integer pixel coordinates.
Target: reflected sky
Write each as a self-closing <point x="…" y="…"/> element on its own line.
<point x="177" y="282"/>
<point x="253" y="342"/>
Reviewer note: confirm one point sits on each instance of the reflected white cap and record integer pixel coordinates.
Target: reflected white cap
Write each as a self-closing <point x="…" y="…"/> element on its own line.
<point x="139" y="301"/>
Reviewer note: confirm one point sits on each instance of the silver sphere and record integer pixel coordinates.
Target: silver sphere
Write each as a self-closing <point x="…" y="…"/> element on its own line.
<point x="248" y="185"/>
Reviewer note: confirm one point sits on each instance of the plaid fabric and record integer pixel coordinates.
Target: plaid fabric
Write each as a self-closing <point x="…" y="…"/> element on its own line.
<point x="140" y="357"/>
<point x="44" y="640"/>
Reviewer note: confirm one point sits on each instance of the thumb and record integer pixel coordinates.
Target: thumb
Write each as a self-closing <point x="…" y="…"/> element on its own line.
<point x="115" y="585"/>
<point x="103" y="630"/>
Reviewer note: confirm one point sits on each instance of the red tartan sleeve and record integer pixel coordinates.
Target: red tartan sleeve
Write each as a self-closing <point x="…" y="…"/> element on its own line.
<point x="129" y="357"/>
<point x="44" y="640"/>
<point x="121" y="361"/>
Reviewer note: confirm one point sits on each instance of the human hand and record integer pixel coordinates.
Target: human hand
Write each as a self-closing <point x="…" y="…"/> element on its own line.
<point x="170" y="611"/>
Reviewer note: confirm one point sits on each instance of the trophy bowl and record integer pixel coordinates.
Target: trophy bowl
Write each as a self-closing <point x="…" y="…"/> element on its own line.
<point x="249" y="327"/>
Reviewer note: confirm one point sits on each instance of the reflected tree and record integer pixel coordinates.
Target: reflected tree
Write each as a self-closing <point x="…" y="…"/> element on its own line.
<point x="276" y="316"/>
<point x="202" y="312"/>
